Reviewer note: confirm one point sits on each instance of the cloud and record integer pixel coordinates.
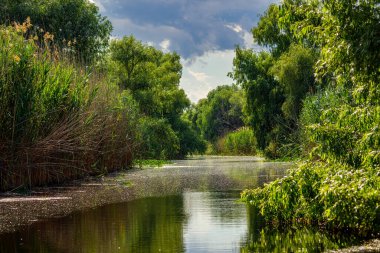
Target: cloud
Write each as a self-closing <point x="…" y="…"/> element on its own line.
<point x="235" y="27"/>
<point x="192" y="27"/>
<point x="203" y="32"/>
<point x="199" y="76"/>
<point x="204" y="73"/>
<point x="165" y="44"/>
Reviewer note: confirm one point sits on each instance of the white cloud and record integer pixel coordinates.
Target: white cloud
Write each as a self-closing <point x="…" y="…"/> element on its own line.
<point x="245" y="35"/>
<point x="165" y="44"/>
<point x="203" y="73"/>
<point x="203" y="32"/>
<point x="235" y="27"/>
<point x="247" y="39"/>
<point x="199" y="76"/>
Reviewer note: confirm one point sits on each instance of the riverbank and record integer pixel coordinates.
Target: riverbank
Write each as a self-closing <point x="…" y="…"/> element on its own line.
<point x="369" y="246"/>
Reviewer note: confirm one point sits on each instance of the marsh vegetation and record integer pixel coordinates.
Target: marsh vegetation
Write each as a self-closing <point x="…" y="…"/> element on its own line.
<point x="74" y="102"/>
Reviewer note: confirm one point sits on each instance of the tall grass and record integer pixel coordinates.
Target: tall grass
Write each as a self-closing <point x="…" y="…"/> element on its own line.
<point x="58" y="120"/>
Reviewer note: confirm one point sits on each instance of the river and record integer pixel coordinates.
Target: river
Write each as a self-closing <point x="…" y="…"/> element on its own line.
<point x="187" y="206"/>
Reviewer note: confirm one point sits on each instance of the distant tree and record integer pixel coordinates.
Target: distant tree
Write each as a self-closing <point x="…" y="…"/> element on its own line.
<point x="219" y="113"/>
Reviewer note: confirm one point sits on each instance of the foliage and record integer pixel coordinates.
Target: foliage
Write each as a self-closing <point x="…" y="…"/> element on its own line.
<point x="264" y="96"/>
<point x="340" y="122"/>
<point x="152" y="77"/>
<point x="190" y="141"/>
<point x="219" y="113"/>
<point x="294" y="70"/>
<point x="269" y="32"/>
<point x="330" y="194"/>
<point x="148" y="163"/>
<point x="57" y="120"/>
<point x="35" y="93"/>
<point x="76" y="25"/>
<point x="239" y="142"/>
<point x="158" y="139"/>
<point x="275" y="85"/>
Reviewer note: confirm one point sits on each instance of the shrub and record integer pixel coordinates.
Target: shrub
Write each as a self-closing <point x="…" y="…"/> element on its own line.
<point x="158" y="140"/>
<point x="239" y="142"/>
<point x="332" y="195"/>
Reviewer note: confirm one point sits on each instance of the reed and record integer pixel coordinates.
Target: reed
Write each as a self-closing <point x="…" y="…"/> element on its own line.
<point x="58" y="119"/>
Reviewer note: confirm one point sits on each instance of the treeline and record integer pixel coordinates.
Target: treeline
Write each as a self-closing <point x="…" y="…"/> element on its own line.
<point x="219" y="120"/>
<point x="316" y="94"/>
<point x="72" y="104"/>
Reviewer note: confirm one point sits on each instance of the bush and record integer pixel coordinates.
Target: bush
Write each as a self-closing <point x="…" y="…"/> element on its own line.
<point x="332" y="195"/>
<point x="158" y="140"/>
<point x="239" y="142"/>
<point x="341" y="187"/>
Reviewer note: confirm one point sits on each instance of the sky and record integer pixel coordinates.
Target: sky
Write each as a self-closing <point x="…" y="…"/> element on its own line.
<point x="203" y="32"/>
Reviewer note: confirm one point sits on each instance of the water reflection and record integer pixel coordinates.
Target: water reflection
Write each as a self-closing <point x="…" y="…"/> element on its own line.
<point x="262" y="238"/>
<point x="145" y="225"/>
<point x="190" y="222"/>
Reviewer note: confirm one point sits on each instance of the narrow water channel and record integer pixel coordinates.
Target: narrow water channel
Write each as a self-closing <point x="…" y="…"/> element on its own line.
<point x="199" y="218"/>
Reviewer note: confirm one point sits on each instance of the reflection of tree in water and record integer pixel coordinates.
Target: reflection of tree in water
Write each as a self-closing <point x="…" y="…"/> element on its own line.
<point x="144" y="225"/>
<point x="262" y="238"/>
<point x="157" y="225"/>
<point x="223" y="206"/>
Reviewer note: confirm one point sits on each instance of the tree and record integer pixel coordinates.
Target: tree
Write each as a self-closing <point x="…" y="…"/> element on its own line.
<point x="153" y="78"/>
<point x="219" y="113"/>
<point x="294" y="70"/>
<point x="264" y="96"/>
<point x="269" y="32"/>
<point x="77" y="25"/>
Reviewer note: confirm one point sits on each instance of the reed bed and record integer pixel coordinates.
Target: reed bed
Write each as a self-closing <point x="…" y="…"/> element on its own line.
<point x="59" y="120"/>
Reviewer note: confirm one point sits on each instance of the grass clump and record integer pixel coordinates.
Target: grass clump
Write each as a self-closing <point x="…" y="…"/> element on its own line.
<point x="147" y="163"/>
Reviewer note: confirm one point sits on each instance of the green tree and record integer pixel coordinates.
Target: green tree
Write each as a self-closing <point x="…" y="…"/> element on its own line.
<point x="269" y="32"/>
<point x="264" y="96"/>
<point x="77" y="25"/>
<point x="219" y="113"/>
<point x="153" y="78"/>
<point x="294" y="70"/>
<point x="340" y="186"/>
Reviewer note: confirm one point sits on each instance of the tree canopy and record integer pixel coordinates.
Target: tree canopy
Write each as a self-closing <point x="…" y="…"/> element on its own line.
<point x="152" y="77"/>
<point x="77" y="25"/>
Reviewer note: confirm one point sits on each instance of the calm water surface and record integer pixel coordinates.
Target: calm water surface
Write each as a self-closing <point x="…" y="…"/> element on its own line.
<point x="199" y="218"/>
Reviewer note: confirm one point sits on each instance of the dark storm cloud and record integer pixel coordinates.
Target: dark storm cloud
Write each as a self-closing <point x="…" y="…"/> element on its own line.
<point x="192" y="26"/>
